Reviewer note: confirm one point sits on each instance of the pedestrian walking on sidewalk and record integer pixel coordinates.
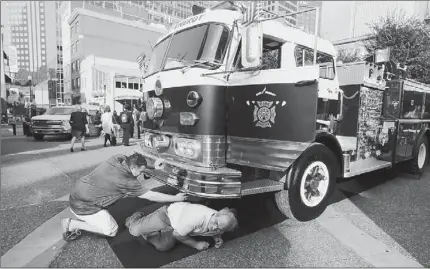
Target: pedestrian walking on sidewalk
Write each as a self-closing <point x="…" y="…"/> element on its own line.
<point x="107" y="125"/>
<point x="127" y="124"/>
<point x="112" y="180"/>
<point x="116" y="128"/>
<point x="136" y="117"/>
<point x="79" y="124"/>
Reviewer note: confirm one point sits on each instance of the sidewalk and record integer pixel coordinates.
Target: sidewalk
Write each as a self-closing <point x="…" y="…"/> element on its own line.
<point x="7" y="131"/>
<point x="40" y="246"/>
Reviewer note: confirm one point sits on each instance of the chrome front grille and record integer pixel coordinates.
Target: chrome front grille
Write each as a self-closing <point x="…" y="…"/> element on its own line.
<point x="43" y="123"/>
<point x="213" y="149"/>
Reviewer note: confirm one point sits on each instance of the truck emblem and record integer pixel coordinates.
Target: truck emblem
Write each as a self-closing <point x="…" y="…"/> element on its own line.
<point x="265" y="111"/>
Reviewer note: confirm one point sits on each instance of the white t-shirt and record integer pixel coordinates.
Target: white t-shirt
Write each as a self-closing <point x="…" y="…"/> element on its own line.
<point x="190" y="219"/>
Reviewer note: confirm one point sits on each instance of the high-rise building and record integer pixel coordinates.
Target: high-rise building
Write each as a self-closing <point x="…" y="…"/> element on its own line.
<point x="342" y="20"/>
<point x="31" y="28"/>
<point x="306" y="20"/>
<point x="96" y="34"/>
<point x="427" y="15"/>
<point x="171" y="12"/>
<point x="277" y="8"/>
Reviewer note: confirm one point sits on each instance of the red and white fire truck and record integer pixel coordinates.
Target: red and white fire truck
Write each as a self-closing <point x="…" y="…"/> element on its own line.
<point x="238" y="107"/>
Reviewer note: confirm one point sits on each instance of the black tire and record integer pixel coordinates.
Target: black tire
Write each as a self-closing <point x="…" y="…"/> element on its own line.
<point x="416" y="166"/>
<point x="38" y="137"/>
<point x="290" y="202"/>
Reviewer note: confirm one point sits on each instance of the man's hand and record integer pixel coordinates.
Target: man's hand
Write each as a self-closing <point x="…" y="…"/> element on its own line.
<point x="202" y="245"/>
<point x="218" y="241"/>
<point x="180" y="197"/>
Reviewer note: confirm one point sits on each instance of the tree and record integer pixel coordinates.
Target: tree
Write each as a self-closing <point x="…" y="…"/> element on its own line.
<point x="409" y="41"/>
<point x="348" y="56"/>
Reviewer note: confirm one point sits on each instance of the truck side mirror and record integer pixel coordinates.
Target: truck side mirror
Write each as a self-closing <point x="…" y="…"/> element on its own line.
<point x="252" y="45"/>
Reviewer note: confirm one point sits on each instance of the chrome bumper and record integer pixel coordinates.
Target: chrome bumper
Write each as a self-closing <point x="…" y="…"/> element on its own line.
<point x="49" y="131"/>
<point x="198" y="181"/>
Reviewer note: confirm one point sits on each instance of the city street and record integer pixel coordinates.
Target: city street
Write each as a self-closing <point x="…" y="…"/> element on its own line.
<point x="377" y="220"/>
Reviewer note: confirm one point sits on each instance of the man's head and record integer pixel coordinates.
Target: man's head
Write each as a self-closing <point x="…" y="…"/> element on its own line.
<point x="126" y="107"/>
<point x="223" y="221"/>
<point x="77" y="108"/>
<point x="137" y="163"/>
<point x="107" y="109"/>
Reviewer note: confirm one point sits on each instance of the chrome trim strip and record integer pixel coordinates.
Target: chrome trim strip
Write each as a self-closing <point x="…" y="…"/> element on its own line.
<point x="412" y="121"/>
<point x="264" y="153"/>
<point x="47" y="126"/>
<point x="211" y="137"/>
<point x="365" y="166"/>
<point x="189" y="166"/>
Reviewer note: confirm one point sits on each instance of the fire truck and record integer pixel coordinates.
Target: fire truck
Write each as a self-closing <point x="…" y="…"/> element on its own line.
<point x="239" y="106"/>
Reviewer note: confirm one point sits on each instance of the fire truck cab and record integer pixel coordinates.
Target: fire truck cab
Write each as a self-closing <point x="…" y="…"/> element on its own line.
<point x="237" y="107"/>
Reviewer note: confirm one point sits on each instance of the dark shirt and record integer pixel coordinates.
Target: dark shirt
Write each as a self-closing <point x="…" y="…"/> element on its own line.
<point x="115" y="119"/>
<point x="109" y="182"/>
<point x="130" y="118"/>
<point x="78" y="120"/>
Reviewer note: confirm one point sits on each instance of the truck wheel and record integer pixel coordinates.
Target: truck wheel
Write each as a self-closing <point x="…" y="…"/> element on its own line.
<point x="312" y="183"/>
<point x="38" y="137"/>
<point x="420" y="156"/>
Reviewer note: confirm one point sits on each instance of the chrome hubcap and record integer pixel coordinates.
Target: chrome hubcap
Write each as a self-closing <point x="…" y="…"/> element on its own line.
<point x="314" y="184"/>
<point x="422" y="153"/>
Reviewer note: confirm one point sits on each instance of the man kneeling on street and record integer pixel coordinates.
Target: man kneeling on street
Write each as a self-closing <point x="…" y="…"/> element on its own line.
<point x="112" y="180"/>
<point x="179" y="222"/>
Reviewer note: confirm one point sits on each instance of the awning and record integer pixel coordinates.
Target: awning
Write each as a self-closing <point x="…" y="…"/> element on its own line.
<point x="127" y="94"/>
<point x="119" y="71"/>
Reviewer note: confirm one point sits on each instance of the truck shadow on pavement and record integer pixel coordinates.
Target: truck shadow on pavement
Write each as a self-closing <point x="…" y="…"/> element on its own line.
<point x="254" y="213"/>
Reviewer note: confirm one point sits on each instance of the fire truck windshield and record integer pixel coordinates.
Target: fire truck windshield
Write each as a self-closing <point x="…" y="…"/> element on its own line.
<point x="204" y="43"/>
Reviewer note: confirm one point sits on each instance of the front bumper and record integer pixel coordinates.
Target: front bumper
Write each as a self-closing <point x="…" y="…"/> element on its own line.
<point x="49" y="131"/>
<point x="198" y="181"/>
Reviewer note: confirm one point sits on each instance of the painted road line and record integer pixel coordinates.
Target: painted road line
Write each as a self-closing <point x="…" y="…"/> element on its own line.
<point x="370" y="249"/>
<point x="39" y="247"/>
<point x="36" y="243"/>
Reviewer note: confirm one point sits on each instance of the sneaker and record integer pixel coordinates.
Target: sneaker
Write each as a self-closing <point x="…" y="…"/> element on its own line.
<point x="83" y="149"/>
<point x="71" y="150"/>
<point x="69" y="235"/>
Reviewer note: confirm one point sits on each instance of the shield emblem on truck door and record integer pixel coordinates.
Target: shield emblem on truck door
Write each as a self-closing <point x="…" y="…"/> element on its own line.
<point x="271" y="116"/>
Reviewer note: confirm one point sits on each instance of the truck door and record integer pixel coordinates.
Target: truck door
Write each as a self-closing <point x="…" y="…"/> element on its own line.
<point x="271" y="114"/>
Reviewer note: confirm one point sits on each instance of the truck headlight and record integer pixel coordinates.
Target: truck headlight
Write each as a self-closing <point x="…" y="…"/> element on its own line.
<point x="157" y="108"/>
<point x="187" y="148"/>
<point x="194" y="99"/>
<point x="66" y="125"/>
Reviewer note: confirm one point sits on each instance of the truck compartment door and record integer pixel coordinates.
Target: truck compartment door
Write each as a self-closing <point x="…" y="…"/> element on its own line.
<point x="271" y="116"/>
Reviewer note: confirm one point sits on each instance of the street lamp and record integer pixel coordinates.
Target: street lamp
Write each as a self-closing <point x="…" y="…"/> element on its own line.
<point x="30" y="78"/>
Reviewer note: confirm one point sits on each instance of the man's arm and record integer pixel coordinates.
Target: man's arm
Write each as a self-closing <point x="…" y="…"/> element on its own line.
<point x="187" y="240"/>
<point x="161" y="197"/>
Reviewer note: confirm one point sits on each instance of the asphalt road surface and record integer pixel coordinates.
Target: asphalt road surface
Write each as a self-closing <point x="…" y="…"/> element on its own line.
<point x="380" y="219"/>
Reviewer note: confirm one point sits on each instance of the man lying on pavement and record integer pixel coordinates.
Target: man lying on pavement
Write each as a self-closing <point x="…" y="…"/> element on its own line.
<point x="112" y="180"/>
<point x="179" y="222"/>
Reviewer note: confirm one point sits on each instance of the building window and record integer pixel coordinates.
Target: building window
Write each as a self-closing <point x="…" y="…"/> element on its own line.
<point x="78" y="82"/>
<point x="78" y="65"/>
<point x="77" y="46"/>
<point x="72" y="29"/>
<point x="73" y="67"/>
<point x="76" y="26"/>
<point x="73" y="84"/>
<point x="73" y="49"/>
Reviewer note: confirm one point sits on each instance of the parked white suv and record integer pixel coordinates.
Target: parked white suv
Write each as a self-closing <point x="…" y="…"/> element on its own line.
<point x="54" y="122"/>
